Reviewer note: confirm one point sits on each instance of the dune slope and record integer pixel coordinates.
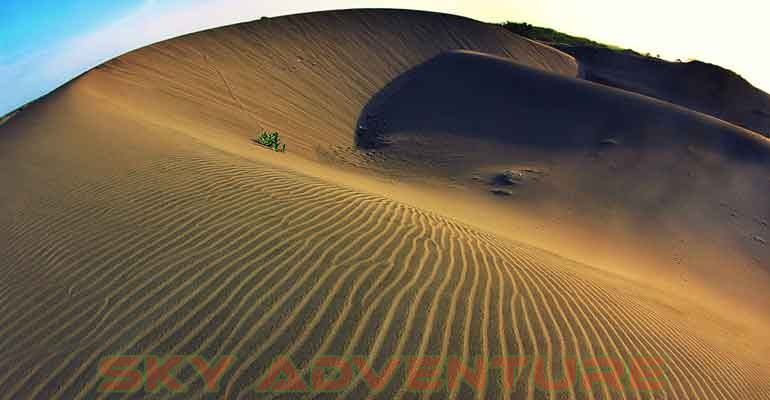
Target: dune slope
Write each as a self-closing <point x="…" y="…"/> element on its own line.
<point x="180" y="249"/>
<point x="143" y="221"/>
<point x="295" y="74"/>
<point x="683" y="196"/>
<point x="701" y="86"/>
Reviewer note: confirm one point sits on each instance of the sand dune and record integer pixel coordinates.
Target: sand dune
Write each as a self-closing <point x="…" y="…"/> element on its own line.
<point x="296" y="75"/>
<point x="649" y="171"/>
<point x="703" y="87"/>
<point x="143" y="221"/>
<point x="237" y="258"/>
<point x="462" y="92"/>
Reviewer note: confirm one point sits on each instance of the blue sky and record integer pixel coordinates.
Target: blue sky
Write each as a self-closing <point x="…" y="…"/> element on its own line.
<point x="45" y="43"/>
<point x="39" y="42"/>
<point x="27" y="25"/>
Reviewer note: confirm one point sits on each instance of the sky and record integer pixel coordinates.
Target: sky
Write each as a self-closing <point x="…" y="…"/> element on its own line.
<point x="45" y="43"/>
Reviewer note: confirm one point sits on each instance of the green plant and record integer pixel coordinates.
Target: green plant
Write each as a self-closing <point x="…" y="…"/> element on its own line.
<point x="271" y="140"/>
<point x="553" y="36"/>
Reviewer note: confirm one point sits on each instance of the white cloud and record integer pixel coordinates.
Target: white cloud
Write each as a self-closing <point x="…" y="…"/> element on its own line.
<point x="36" y="74"/>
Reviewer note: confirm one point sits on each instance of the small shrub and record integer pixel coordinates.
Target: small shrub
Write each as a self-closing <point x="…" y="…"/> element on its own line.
<point x="271" y="140"/>
<point x="548" y="35"/>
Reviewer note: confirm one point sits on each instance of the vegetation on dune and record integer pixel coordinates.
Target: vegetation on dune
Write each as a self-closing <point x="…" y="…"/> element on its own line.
<point x="271" y="140"/>
<point x="552" y="36"/>
<point x="542" y="34"/>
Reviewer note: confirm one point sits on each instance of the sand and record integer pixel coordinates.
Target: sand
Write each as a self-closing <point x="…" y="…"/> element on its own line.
<point x="141" y="219"/>
<point x="694" y="84"/>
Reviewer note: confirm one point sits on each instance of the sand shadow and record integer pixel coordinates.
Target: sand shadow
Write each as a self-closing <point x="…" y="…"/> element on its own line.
<point x="491" y="98"/>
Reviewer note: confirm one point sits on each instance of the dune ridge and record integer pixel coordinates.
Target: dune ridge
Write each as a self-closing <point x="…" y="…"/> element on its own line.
<point x="694" y="84"/>
<point x="295" y="75"/>
<point x="144" y="222"/>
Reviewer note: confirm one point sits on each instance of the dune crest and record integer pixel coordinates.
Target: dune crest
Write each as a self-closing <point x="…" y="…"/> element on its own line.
<point x="694" y="84"/>
<point x="144" y="221"/>
<point x="295" y="75"/>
